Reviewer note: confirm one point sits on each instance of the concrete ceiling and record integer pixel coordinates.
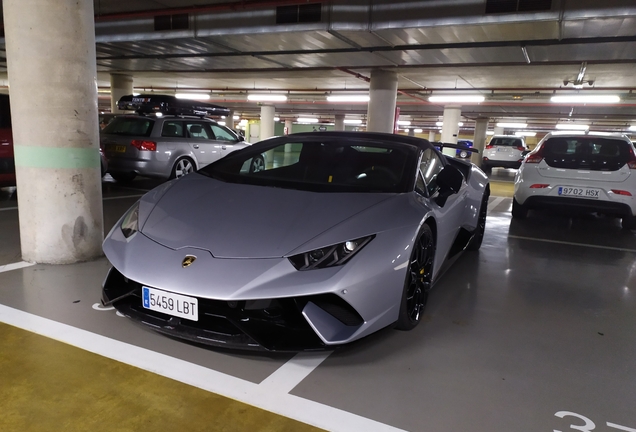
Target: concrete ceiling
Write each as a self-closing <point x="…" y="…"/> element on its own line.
<point x="516" y="59"/>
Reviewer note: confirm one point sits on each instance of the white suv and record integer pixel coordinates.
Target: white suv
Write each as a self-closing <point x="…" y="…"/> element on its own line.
<point x="503" y="151"/>
<point x="594" y="172"/>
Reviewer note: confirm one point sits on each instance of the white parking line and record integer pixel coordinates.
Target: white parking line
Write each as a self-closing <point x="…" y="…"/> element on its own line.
<point x="294" y="371"/>
<point x="121" y="197"/>
<point x="271" y="395"/>
<point x="573" y="244"/>
<point x="15" y="266"/>
<point x="8" y="208"/>
<point x="494" y="203"/>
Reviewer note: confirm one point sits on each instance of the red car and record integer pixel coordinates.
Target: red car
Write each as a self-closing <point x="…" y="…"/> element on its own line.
<point x="7" y="165"/>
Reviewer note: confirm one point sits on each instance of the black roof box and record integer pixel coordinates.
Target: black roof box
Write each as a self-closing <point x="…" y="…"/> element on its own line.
<point x="169" y="105"/>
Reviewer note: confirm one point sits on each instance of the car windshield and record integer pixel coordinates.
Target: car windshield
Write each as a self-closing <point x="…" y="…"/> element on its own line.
<point x="586" y="152"/>
<point x="508" y="142"/>
<point x="321" y="165"/>
<point x="130" y="126"/>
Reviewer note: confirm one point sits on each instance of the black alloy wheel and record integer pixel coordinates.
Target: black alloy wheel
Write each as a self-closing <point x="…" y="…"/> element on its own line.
<point x="419" y="278"/>
<point x="478" y="235"/>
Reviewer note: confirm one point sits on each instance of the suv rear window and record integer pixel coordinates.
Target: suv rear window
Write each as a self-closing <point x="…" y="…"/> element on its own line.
<point x="589" y="153"/>
<point x="130" y="126"/>
<point x="509" y="142"/>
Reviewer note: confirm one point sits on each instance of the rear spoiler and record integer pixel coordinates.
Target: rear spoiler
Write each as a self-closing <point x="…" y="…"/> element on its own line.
<point x="169" y="105"/>
<point x="440" y="146"/>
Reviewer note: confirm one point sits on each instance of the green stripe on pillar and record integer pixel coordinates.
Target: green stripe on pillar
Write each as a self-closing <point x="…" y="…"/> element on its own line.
<point x="56" y="157"/>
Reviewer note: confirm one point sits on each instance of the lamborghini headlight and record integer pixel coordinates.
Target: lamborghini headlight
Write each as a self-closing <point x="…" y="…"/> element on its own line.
<point x="329" y="256"/>
<point x="130" y="222"/>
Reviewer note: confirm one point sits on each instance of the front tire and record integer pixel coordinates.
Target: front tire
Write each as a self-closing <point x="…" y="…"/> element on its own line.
<point x="258" y="164"/>
<point x="478" y="236"/>
<point x="519" y="211"/>
<point x="183" y="166"/>
<point x="419" y="277"/>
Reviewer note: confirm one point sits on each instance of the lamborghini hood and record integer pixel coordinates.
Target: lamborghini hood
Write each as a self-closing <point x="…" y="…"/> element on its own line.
<point x="245" y="221"/>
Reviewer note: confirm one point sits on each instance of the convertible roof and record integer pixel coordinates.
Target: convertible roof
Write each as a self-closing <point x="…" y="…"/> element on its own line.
<point x="369" y="136"/>
<point x="167" y="104"/>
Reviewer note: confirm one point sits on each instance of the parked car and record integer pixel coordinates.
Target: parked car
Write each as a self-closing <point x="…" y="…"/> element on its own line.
<point x="462" y="153"/>
<point x="342" y="235"/>
<point x="165" y="147"/>
<point x="503" y="151"/>
<point x="595" y="172"/>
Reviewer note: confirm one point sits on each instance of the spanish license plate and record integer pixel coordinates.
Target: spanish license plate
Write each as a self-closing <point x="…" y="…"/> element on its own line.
<point x="579" y="192"/>
<point x="117" y="148"/>
<point x="170" y="303"/>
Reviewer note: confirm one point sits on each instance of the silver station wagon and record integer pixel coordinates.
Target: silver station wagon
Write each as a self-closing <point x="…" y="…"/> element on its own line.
<point x="166" y="147"/>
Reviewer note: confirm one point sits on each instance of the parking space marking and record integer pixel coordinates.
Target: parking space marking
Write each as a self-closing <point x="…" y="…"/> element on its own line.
<point x="8" y="208"/>
<point x="258" y="395"/>
<point x="122" y="197"/>
<point x="573" y="243"/>
<point x="494" y="203"/>
<point x="294" y="371"/>
<point x="15" y="266"/>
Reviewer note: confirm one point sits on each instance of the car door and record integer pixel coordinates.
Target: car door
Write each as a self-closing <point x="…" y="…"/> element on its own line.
<point x="448" y="216"/>
<point x="226" y="141"/>
<point x="202" y="142"/>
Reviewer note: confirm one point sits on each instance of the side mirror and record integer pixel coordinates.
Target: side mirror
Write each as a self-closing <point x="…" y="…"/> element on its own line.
<point x="241" y="138"/>
<point x="449" y="181"/>
<point x="525" y="152"/>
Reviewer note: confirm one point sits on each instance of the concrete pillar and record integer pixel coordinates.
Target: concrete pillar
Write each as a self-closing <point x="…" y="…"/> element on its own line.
<point x="229" y="120"/>
<point x="450" y="128"/>
<point x="120" y="85"/>
<point x="498" y="130"/>
<point x="339" y="126"/>
<point x="431" y="136"/>
<point x="411" y="132"/>
<point x="288" y="127"/>
<point x="267" y="121"/>
<point x="479" y="140"/>
<point x="383" y="96"/>
<point x="50" y="49"/>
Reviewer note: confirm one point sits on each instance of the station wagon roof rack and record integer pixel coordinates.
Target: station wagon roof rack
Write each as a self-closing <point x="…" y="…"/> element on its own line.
<point x="169" y="105"/>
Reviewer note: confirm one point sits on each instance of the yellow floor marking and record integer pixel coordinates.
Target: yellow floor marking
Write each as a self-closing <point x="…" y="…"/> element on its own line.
<point x="46" y="385"/>
<point x="502" y="189"/>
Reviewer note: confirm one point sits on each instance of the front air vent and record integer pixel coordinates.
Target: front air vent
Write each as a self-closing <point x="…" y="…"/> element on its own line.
<point x="306" y="13"/>
<point x="172" y="22"/>
<point x="507" y="6"/>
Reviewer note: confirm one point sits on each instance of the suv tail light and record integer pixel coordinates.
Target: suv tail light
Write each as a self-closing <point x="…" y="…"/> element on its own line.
<point x="632" y="159"/>
<point x="521" y="148"/>
<point x="535" y="156"/>
<point x="144" y="145"/>
<point x="621" y="192"/>
<point x="489" y="146"/>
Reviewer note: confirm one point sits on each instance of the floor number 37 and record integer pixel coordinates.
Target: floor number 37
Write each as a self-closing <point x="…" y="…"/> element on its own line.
<point x="589" y="424"/>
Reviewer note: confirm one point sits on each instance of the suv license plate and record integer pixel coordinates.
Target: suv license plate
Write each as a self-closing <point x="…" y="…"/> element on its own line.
<point x="170" y="303"/>
<point x="579" y="192"/>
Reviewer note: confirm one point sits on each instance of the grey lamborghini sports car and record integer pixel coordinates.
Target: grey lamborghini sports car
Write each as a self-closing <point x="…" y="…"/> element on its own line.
<point x="341" y="235"/>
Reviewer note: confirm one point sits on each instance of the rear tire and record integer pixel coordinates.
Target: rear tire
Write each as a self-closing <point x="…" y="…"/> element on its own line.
<point x="519" y="211"/>
<point x="629" y="222"/>
<point x="123" y="177"/>
<point x="257" y="165"/>
<point x="478" y="235"/>
<point x="183" y="166"/>
<point x="419" y="277"/>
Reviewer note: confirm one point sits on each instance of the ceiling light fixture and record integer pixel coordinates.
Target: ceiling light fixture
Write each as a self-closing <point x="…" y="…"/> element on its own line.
<point x="490" y="132"/>
<point x="194" y="96"/>
<point x="513" y="125"/>
<point x="266" y="97"/>
<point x="276" y="119"/>
<point x="306" y="120"/>
<point x="418" y="130"/>
<point x="525" y="133"/>
<point x="440" y="124"/>
<point x="602" y="99"/>
<point x="457" y="99"/>
<point x="404" y="123"/>
<point x="632" y="128"/>
<point x="348" y="98"/>
<point x="568" y="126"/>
<point x="353" y="121"/>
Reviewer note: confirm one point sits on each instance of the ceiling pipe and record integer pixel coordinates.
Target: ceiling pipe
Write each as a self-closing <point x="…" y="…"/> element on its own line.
<point x="367" y="79"/>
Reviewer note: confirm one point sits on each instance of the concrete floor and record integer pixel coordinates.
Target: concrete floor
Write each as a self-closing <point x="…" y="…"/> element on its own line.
<point x="535" y="332"/>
